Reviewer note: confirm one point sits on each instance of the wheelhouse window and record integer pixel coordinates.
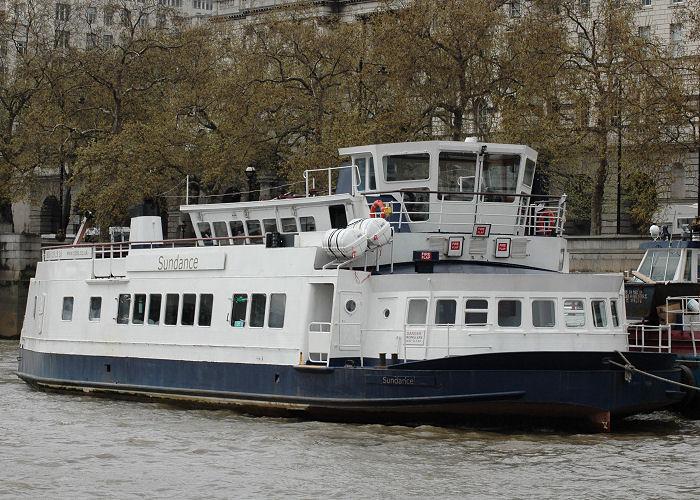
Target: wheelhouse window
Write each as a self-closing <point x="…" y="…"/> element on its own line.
<point x="613" y="312"/>
<point x="95" y="308"/>
<point x="154" y="303"/>
<point x="660" y="264"/>
<point x="543" y="315"/>
<point x="417" y="311"/>
<point x="172" y="303"/>
<point x="239" y="309"/>
<point x="574" y="315"/>
<point x="205" y="232"/>
<point x="600" y="319"/>
<point x="417" y="204"/>
<point x="407" y="167"/>
<point x="206" y="302"/>
<point x="476" y="312"/>
<point x="257" y="310"/>
<point x="189" y="303"/>
<point x="123" y="306"/>
<point x="365" y="167"/>
<point x="529" y="174"/>
<point x="139" y="312"/>
<point x="220" y="231"/>
<point x="270" y="225"/>
<point x="445" y="311"/>
<point x="278" y="302"/>
<point x="307" y="224"/>
<point x="289" y="224"/>
<point x="254" y="229"/>
<point x="500" y="175"/>
<point x="67" y="310"/>
<point x="509" y="313"/>
<point x="457" y="172"/>
<point x="237" y="230"/>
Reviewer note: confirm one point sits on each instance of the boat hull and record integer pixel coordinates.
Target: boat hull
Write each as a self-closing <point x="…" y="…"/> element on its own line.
<point x="551" y="386"/>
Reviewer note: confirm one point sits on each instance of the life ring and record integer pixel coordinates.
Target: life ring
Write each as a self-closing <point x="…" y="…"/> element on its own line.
<point x="377" y="209"/>
<point x="545" y="222"/>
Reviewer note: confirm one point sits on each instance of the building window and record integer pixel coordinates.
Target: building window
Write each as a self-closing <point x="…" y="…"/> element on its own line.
<point x="206" y="302"/>
<point x="515" y="8"/>
<point x="645" y="32"/>
<point x="143" y="21"/>
<point x="574" y="315"/>
<point x="678" y="181"/>
<point x="107" y="41"/>
<point x="257" y="310"/>
<point x="543" y="313"/>
<point x="160" y="22"/>
<point x="139" y="312"/>
<point x="108" y="16"/>
<point x="445" y="311"/>
<point x="646" y="3"/>
<point x="62" y="11"/>
<point x="676" y="39"/>
<point x="125" y="17"/>
<point x="91" y="40"/>
<point x="90" y="14"/>
<point x="584" y="46"/>
<point x="61" y="40"/>
<point x="172" y="303"/>
<point x="123" y="308"/>
<point x="189" y="302"/>
<point x="278" y="302"/>
<point x="154" y="309"/>
<point x="21" y="47"/>
<point x="95" y="308"/>
<point x="67" y="310"/>
<point x="239" y="309"/>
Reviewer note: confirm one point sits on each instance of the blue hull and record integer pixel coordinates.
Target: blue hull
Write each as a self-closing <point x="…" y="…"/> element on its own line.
<point x="551" y="385"/>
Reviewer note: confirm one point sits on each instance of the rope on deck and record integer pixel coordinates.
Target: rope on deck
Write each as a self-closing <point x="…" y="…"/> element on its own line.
<point x="630" y="368"/>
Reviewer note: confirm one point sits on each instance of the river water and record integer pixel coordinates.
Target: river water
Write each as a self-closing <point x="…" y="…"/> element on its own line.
<point x="61" y="445"/>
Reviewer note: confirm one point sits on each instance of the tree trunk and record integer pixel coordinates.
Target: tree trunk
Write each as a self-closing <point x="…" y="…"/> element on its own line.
<point x="601" y="174"/>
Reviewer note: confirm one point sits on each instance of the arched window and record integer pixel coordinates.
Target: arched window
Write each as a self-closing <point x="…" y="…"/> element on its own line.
<point x="50" y="216"/>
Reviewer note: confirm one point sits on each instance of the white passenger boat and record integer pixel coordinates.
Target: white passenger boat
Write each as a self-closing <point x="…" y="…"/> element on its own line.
<point x="425" y="283"/>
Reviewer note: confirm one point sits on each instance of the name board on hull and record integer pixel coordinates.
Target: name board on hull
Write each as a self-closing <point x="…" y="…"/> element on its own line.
<point x="68" y="253"/>
<point x="181" y="261"/>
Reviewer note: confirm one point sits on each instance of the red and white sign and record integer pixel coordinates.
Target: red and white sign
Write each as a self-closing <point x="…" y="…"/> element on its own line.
<point x="482" y="230"/>
<point x="426" y="256"/>
<point x="502" y="247"/>
<point x="455" y="246"/>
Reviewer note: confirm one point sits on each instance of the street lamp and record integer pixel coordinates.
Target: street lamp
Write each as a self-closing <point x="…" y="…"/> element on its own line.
<point x="250" y="173"/>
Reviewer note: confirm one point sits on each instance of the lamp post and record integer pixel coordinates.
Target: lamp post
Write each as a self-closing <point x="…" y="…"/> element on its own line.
<point x="252" y="193"/>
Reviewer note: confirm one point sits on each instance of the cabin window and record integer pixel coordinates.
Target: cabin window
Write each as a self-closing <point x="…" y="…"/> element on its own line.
<point x="417" y="311"/>
<point x="123" y="307"/>
<point x="239" y="309"/>
<point x="476" y="312"/>
<point x="529" y="174"/>
<point x="221" y="232"/>
<point x="206" y="302"/>
<point x="95" y="308"/>
<point x="500" y="175"/>
<point x="270" y="225"/>
<point x="574" y="315"/>
<point x="366" y="175"/>
<point x="338" y="217"/>
<point x="613" y="311"/>
<point x="205" y="231"/>
<point x="257" y="310"/>
<point x="254" y="229"/>
<point x="457" y="173"/>
<point x="289" y="224"/>
<point x="172" y="304"/>
<point x="660" y="264"/>
<point x="189" y="302"/>
<point x="278" y="302"/>
<point x="416" y="203"/>
<point x="600" y="319"/>
<point x="543" y="315"/>
<point x="67" y="310"/>
<point x="445" y="311"/>
<point x="307" y="224"/>
<point x="408" y="167"/>
<point x="509" y="313"/>
<point x="139" y="312"/>
<point x="154" y="308"/>
<point x="237" y="230"/>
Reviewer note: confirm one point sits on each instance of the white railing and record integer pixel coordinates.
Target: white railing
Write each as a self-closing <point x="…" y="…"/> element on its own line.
<point x="679" y="322"/>
<point x="310" y="178"/>
<point x="649" y="338"/>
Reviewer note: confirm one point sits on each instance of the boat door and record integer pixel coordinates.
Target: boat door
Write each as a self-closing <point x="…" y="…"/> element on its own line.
<point x="350" y="323"/>
<point x="454" y="204"/>
<point x="416" y="329"/>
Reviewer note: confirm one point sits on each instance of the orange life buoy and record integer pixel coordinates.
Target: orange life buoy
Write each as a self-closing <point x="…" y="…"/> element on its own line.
<point x="377" y="209"/>
<point x="545" y="222"/>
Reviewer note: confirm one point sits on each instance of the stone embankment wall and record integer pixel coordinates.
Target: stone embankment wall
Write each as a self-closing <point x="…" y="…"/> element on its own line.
<point x="19" y="254"/>
<point x="607" y="253"/>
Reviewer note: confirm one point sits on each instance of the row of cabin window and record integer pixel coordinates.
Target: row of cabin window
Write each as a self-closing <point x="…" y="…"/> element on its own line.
<point x="509" y="312"/>
<point x="253" y="227"/>
<point x="150" y="311"/>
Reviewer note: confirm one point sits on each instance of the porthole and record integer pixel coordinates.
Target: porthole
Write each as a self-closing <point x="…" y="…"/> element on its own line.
<point x="350" y="306"/>
<point x="387" y="312"/>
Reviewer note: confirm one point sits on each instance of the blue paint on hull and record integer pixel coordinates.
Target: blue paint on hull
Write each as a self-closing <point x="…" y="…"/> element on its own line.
<point x="516" y="384"/>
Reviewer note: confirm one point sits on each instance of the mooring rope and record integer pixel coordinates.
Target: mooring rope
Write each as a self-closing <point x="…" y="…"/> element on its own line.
<point x="630" y="368"/>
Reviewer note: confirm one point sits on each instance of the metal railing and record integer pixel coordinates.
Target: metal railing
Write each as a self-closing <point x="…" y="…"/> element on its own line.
<point x="678" y="331"/>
